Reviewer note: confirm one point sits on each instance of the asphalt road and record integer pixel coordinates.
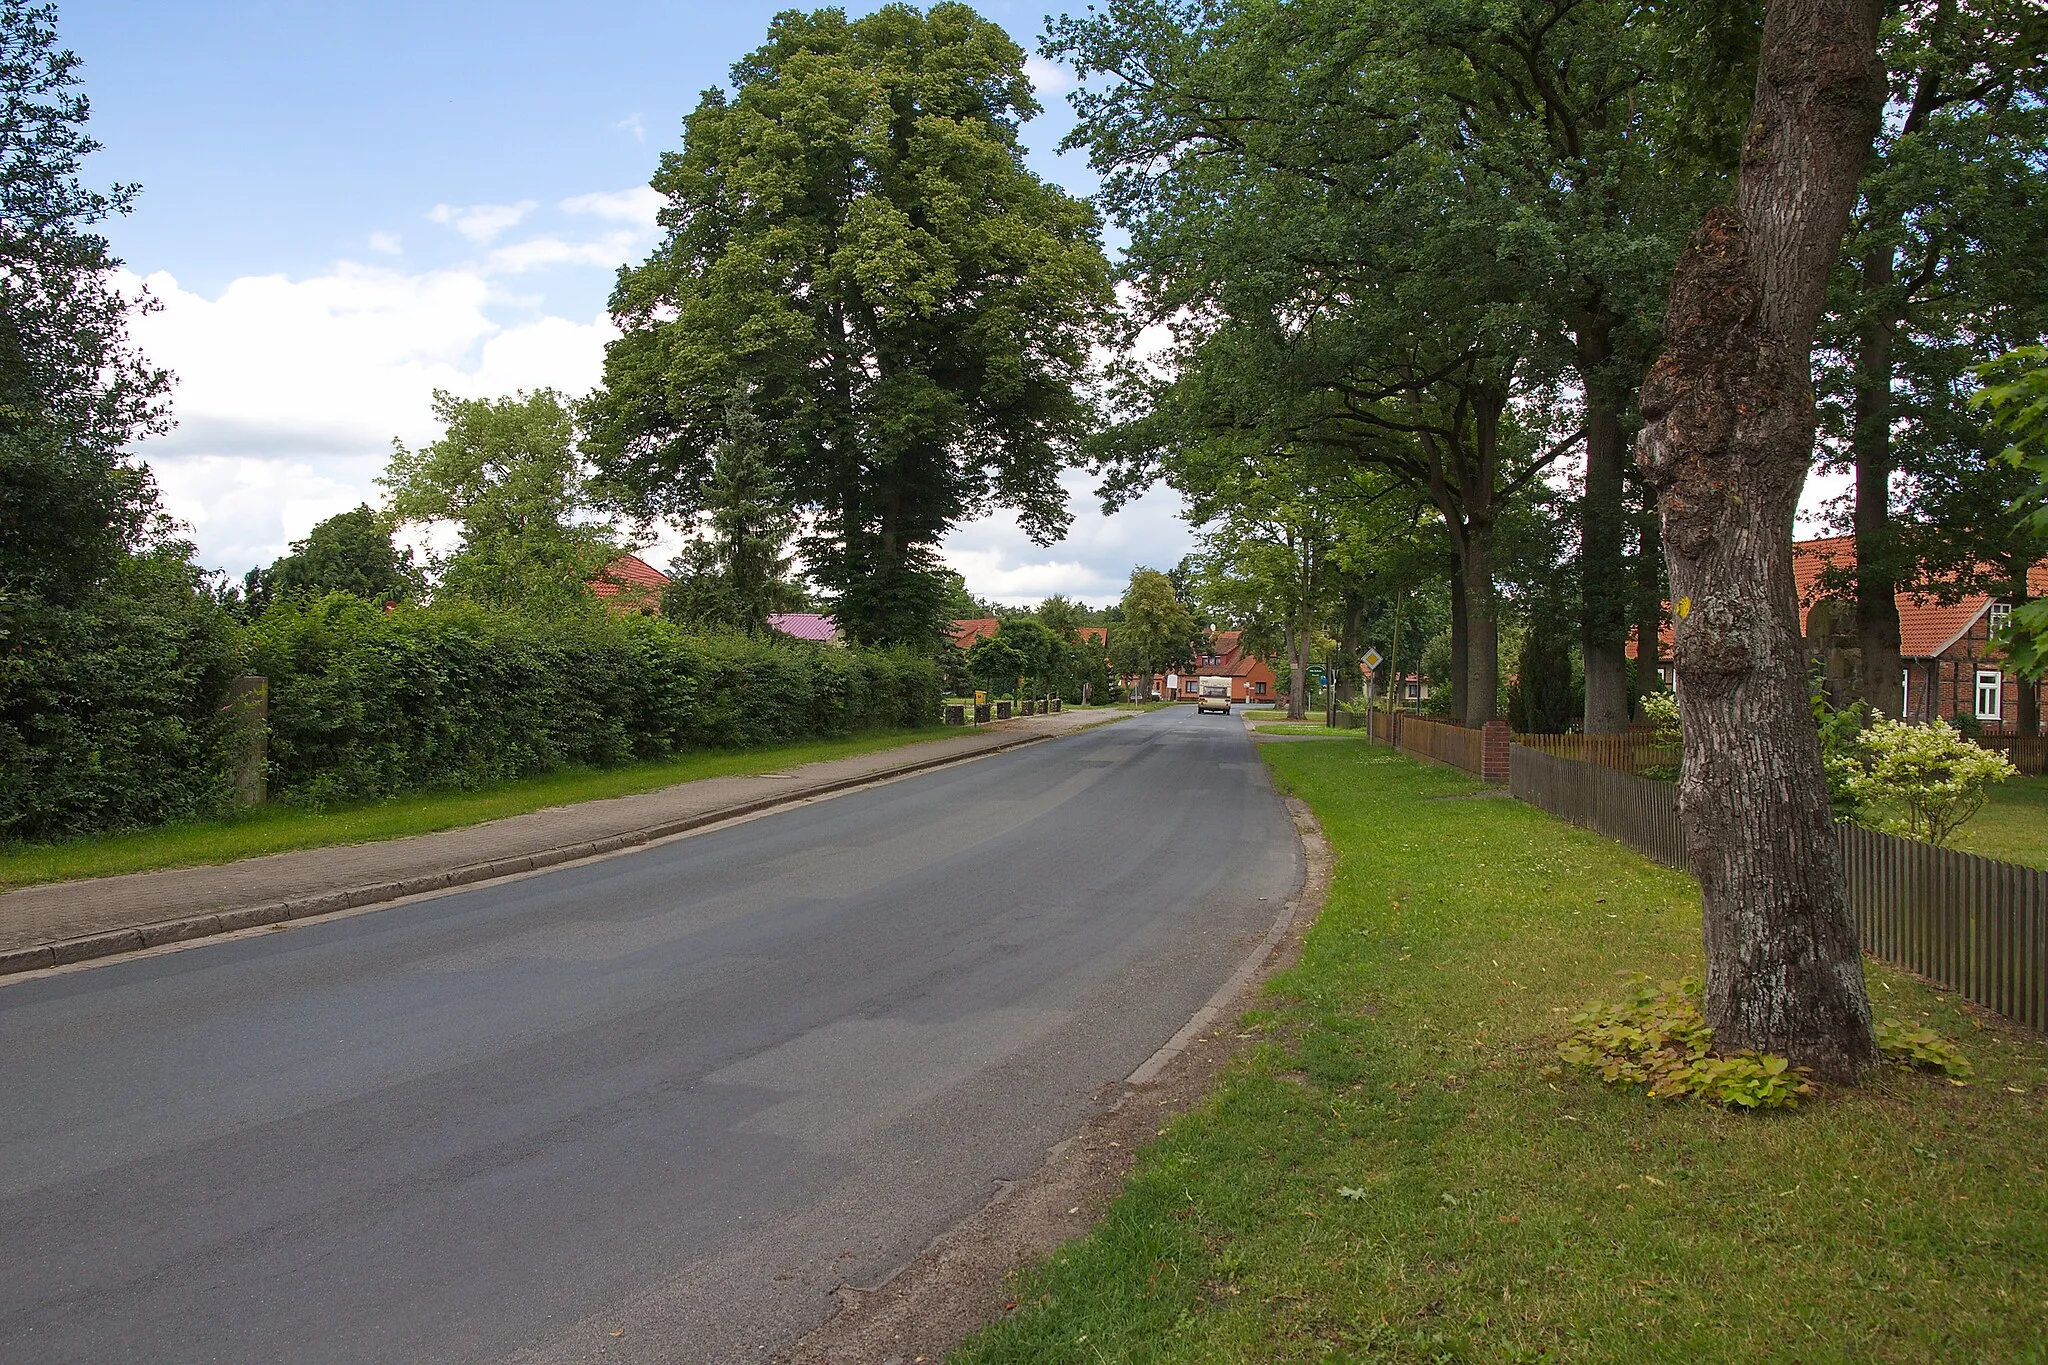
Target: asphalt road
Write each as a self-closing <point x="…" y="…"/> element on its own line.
<point x="679" y="1094"/>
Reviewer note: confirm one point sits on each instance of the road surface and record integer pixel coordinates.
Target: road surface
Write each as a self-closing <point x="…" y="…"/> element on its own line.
<point x="651" y="1108"/>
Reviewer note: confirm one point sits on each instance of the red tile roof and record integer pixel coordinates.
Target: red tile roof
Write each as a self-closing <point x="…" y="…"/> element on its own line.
<point x="966" y="633"/>
<point x="1926" y="626"/>
<point x="805" y="625"/>
<point x="631" y="576"/>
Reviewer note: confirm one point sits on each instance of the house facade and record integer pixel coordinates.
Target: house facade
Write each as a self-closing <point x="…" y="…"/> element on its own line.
<point x="1251" y="680"/>
<point x="1950" y="667"/>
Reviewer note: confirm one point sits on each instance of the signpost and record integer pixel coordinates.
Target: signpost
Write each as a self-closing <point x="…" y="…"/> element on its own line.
<point x="1371" y="659"/>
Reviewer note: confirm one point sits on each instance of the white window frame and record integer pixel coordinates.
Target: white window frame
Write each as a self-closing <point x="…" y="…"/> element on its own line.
<point x="1905" y="693"/>
<point x="2001" y="616"/>
<point x="1991" y="682"/>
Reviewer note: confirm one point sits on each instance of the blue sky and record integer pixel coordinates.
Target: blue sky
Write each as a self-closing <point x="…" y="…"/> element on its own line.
<point x="347" y="204"/>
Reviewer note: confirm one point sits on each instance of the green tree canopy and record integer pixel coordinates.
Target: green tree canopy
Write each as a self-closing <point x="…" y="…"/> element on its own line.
<point x="736" y="571"/>
<point x="74" y="391"/>
<point x="1154" y="630"/>
<point x="852" y="232"/>
<point x="508" y="472"/>
<point x="350" y="552"/>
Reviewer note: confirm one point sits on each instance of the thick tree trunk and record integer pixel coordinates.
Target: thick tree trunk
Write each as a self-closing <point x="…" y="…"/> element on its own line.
<point x="1877" y="609"/>
<point x="1482" y="631"/>
<point x="1603" y="586"/>
<point x="1346" y="682"/>
<point x="1728" y="436"/>
<point x="1649" y="608"/>
<point x="1461" y="645"/>
<point x="1297" y="672"/>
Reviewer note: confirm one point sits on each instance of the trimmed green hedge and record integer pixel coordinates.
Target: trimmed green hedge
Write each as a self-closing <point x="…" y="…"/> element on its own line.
<point x="110" y="710"/>
<point x="365" y="703"/>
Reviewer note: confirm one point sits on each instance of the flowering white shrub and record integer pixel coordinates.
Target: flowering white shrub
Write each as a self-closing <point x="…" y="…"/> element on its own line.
<point x="1927" y="778"/>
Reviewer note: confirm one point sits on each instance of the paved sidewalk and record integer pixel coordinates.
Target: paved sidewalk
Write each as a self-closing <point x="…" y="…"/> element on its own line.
<point x="64" y="922"/>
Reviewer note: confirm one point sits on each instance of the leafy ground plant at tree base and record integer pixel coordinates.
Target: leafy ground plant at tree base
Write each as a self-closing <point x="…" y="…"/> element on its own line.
<point x="1912" y="1045"/>
<point x="1495" y="1215"/>
<point x="1655" y="1036"/>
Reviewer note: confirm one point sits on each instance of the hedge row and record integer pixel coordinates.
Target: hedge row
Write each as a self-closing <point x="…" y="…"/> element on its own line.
<point x="110" y="711"/>
<point x="110" y="717"/>
<point x="365" y="703"/>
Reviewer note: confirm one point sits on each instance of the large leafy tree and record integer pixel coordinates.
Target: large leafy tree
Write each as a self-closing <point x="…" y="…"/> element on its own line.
<point x="1488" y="193"/>
<point x="852" y="232"/>
<point x="1154" y="630"/>
<point x="74" y="391"/>
<point x="1272" y="161"/>
<point x="349" y="552"/>
<point x="1942" y="259"/>
<point x="1729" y="425"/>
<point x="507" y="471"/>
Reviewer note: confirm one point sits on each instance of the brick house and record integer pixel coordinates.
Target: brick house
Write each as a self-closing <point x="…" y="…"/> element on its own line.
<point x="1251" y="680"/>
<point x="1950" y="668"/>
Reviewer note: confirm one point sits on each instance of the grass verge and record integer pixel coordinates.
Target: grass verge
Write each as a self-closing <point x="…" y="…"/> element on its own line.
<point x="279" y="829"/>
<point x="1317" y="729"/>
<point x="2013" y="824"/>
<point x="1388" y="1174"/>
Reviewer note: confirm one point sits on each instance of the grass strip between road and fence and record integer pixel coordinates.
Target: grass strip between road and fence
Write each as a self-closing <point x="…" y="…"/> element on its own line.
<point x="283" y="828"/>
<point x="1392" y="1170"/>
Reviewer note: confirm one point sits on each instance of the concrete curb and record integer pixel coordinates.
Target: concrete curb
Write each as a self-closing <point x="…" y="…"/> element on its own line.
<point x="65" y="952"/>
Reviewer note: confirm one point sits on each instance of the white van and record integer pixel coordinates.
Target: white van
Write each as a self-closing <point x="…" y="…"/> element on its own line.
<point x="1213" y="694"/>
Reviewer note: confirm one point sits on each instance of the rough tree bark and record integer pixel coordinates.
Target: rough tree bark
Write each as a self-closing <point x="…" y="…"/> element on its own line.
<point x="1727" y="439"/>
<point x="1603" y="586"/>
<point x="1352" y="617"/>
<point x="1461" y="643"/>
<point x="1878" y="663"/>
<point x="1650" y="597"/>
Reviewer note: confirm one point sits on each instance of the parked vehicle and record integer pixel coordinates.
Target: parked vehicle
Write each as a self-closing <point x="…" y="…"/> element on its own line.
<point x="1213" y="694"/>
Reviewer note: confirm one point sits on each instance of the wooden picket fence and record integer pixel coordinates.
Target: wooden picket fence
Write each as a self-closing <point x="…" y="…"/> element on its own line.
<point x="2027" y="752"/>
<point x="1974" y="925"/>
<point x="1431" y="739"/>
<point x="1629" y="752"/>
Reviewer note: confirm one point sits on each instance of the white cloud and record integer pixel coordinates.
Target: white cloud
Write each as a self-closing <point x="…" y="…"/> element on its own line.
<point x="636" y="206"/>
<point x="481" y="223"/>
<point x="1047" y="78"/>
<point x="290" y="391"/>
<point x="535" y="253"/>
<point x="387" y="244"/>
<point x="1093" y="563"/>
<point x="631" y="123"/>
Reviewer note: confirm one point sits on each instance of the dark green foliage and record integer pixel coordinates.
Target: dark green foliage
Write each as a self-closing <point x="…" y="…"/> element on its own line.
<point x="736" y="573"/>
<point x="73" y="390"/>
<point x="853" y="233"/>
<point x="349" y="552"/>
<point x="365" y="703"/>
<point x="1542" y="700"/>
<point x="997" y="664"/>
<point x="109" y="711"/>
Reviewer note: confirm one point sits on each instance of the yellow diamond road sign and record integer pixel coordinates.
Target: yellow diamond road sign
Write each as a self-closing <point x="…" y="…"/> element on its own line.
<point x="1372" y="658"/>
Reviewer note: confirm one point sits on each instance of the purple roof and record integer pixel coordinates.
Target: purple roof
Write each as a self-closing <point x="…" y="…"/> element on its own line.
<point x="804" y="625"/>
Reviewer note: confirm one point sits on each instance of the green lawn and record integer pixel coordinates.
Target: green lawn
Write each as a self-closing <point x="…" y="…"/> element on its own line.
<point x="275" y="829"/>
<point x="2013" y="824"/>
<point x="1318" y="729"/>
<point x="1390" y="1174"/>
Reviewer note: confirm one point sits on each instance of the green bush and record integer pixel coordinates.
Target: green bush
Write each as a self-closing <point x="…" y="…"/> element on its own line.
<point x="1656" y="1037"/>
<point x="365" y="703"/>
<point x="110" y="709"/>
